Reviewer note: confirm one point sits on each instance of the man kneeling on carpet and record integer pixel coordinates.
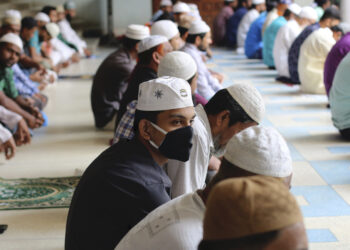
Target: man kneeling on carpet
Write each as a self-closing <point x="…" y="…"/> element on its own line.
<point x="254" y="151"/>
<point x="127" y="181"/>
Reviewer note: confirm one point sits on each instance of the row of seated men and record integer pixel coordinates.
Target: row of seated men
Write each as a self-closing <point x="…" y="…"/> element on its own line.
<point x="304" y="45"/>
<point x="31" y="55"/>
<point x="174" y="122"/>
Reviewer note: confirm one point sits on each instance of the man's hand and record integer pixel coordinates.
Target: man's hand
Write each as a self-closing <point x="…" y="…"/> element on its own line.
<point x="37" y="76"/>
<point x="87" y="52"/>
<point x="75" y="58"/>
<point x="34" y="122"/>
<point x="22" y="135"/>
<point x="10" y="148"/>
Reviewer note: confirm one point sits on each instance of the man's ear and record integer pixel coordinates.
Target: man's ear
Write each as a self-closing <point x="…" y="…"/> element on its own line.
<point x="198" y="40"/>
<point x="222" y="118"/>
<point x="156" y="57"/>
<point x="144" y="129"/>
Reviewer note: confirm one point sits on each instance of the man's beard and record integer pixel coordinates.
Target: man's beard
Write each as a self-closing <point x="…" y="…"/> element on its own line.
<point x="219" y="150"/>
<point x="201" y="48"/>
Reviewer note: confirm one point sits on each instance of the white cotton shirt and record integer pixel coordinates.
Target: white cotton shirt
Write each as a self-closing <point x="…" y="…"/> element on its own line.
<point x="207" y="85"/>
<point x="64" y="52"/>
<point x="71" y="36"/>
<point x="313" y="54"/>
<point x="271" y="16"/>
<point x="176" y="225"/>
<point x="189" y="176"/>
<point x="284" y="39"/>
<point x="244" y="26"/>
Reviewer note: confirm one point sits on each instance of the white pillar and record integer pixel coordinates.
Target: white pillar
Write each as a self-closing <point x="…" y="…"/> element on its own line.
<point x="345" y="11"/>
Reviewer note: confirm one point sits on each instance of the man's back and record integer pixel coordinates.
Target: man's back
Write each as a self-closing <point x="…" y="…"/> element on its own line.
<point x="174" y="225"/>
<point x="116" y="191"/>
<point x="269" y="40"/>
<point x="313" y="55"/>
<point x="109" y="85"/>
<point x="335" y="56"/>
<point x="232" y="26"/>
<point x="294" y="51"/>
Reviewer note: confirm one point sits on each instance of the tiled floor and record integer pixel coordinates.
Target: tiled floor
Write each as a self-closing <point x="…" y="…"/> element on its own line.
<point x="321" y="159"/>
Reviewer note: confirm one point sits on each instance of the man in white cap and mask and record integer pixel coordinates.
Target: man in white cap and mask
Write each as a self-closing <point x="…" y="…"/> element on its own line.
<point x="67" y="31"/>
<point x="168" y="29"/>
<point x="285" y="38"/>
<point x="179" y="9"/>
<point x="197" y="42"/>
<point x="165" y="6"/>
<point x="110" y="80"/>
<point x="127" y="181"/>
<point x="177" y="64"/>
<point x="248" y="153"/>
<point x="228" y="112"/>
<point x="150" y="51"/>
<point x="258" y="6"/>
<point x="10" y="49"/>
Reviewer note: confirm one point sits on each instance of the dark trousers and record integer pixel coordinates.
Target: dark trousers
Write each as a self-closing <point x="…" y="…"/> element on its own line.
<point x="345" y="133"/>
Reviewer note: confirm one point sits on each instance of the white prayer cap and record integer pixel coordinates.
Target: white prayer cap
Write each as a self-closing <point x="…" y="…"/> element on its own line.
<point x="150" y="42"/>
<point x="12" y="38"/>
<point x="52" y="29"/>
<point x="178" y="64"/>
<point x="256" y="2"/>
<point x="166" y="3"/>
<point x="198" y="27"/>
<point x="308" y="13"/>
<point x="164" y="93"/>
<point x="43" y="17"/>
<point x="12" y="17"/>
<point x="260" y="150"/>
<point x="295" y="8"/>
<point x="165" y="28"/>
<point x="60" y="8"/>
<point x="69" y="5"/>
<point x="13" y="13"/>
<point x="137" y="32"/>
<point x="249" y="98"/>
<point x="181" y="7"/>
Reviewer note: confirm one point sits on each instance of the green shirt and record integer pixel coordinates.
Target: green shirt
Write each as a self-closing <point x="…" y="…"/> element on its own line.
<point x="7" y="84"/>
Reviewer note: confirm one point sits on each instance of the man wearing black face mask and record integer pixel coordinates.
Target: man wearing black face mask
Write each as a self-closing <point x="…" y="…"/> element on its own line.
<point x="127" y="181"/>
<point x="197" y="42"/>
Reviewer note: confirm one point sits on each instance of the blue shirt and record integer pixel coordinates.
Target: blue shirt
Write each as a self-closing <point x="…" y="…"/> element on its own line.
<point x="232" y="26"/>
<point x="339" y="97"/>
<point x="269" y="40"/>
<point x="293" y="55"/>
<point x="253" y="42"/>
<point x="34" y="42"/>
<point x="24" y="85"/>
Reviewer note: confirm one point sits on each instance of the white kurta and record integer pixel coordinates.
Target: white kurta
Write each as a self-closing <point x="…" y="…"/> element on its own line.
<point x="313" y="54"/>
<point x="71" y="36"/>
<point x="284" y="39"/>
<point x="271" y="16"/>
<point x="244" y="26"/>
<point x="178" y="224"/>
<point x="65" y="52"/>
<point x="10" y="119"/>
<point x="189" y="176"/>
<point x="207" y="85"/>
